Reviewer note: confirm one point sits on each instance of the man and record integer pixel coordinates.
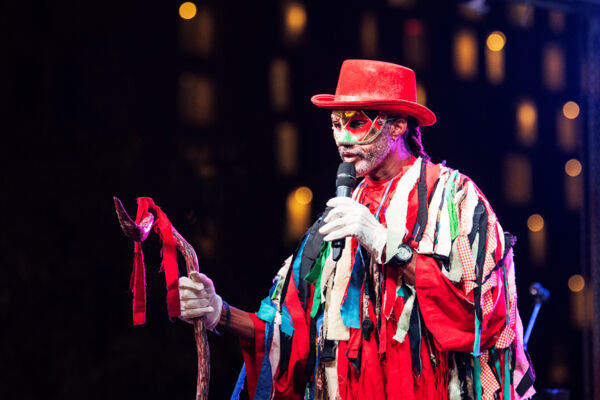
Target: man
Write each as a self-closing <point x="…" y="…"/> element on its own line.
<point x="422" y="302"/>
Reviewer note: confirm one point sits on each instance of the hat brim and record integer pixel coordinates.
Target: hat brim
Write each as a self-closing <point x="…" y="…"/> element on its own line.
<point x="423" y="114"/>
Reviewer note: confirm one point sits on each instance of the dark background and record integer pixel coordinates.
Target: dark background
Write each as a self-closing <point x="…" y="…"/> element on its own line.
<point x="90" y="96"/>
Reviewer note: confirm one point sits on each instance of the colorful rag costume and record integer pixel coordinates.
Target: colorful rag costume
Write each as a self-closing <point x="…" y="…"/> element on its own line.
<point x="355" y="330"/>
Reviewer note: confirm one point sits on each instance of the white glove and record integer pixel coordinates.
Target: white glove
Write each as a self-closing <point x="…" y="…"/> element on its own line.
<point x="198" y="299"/>
<point x="349" y="218"/>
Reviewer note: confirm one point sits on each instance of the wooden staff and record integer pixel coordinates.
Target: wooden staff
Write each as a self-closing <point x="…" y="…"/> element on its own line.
<point x="139" y="233"/>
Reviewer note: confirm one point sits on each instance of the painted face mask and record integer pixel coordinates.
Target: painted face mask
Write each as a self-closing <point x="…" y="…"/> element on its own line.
<point x="357" y="126"/>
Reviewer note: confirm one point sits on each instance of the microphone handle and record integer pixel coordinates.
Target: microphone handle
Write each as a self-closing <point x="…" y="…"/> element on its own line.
<point x="337" y="246"/>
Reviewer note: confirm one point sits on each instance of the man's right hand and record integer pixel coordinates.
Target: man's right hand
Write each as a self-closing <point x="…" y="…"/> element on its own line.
<point x="198" y="299"/>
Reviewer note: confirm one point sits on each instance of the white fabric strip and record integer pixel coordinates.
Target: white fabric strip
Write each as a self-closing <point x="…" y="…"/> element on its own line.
<point x="396" y="212"/>
<point x="274" y="352"/>
<point x="470" y="202"/>
<point x="336" y="330"/>
<point x="426" y="243"/>
<point x="404" y="320"/>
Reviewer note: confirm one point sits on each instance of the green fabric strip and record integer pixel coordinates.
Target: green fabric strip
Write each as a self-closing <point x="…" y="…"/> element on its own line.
<point x="496" y="362"/>
<point x="314" y="277"/>
<point x="476" y="362"/>
<point x="506" y="375"/>
<point x="451" y="192"/>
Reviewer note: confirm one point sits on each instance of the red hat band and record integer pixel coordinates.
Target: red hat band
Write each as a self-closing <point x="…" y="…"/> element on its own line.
<point x="377" y="85"/>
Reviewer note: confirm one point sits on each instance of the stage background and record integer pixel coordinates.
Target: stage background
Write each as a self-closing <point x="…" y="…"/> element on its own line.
<point x="211" y="117"/>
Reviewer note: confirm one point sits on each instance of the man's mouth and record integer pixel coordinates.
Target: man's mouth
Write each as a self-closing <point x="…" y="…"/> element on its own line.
<point x="349" y="157"/>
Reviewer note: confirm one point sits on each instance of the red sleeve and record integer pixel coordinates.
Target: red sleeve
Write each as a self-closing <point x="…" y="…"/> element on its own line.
<point x="448" y="313"/>
<point x="253" y="352"/>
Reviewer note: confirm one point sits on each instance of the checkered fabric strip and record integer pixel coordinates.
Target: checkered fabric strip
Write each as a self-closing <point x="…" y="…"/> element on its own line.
<point x="489" y="383"/>
<point x="466" y="257"/>
<point x="508" y="333"/>
<point x="506" y="338"/>
<point x="490" y="261"/>
<point x="488" y="304"/>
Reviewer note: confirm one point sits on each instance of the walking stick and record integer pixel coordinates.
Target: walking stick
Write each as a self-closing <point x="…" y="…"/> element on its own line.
<point x="139" y="232"/>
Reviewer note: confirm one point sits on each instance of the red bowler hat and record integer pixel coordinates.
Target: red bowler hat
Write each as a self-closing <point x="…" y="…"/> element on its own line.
<point x="376" y="85"/>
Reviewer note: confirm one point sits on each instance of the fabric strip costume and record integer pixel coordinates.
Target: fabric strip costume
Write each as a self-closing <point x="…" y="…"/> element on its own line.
<point x="456" y="332"/>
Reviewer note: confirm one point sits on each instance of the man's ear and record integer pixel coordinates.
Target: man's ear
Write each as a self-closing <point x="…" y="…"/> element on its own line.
<point x="398" y="128"/>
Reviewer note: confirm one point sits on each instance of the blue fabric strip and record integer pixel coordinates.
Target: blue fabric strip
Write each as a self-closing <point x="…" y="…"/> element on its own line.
<point x="267" y="310"/>
<point x="239" y="385"/>
<point x="350" y="309"/>
<point x="287" y="325"/>
<point x="264" y="386"/>
<point x="298" y="260"/>
<point x="311" y="389"/>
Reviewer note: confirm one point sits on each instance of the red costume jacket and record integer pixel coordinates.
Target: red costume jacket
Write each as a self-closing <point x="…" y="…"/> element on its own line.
<point x="355" y="330"/>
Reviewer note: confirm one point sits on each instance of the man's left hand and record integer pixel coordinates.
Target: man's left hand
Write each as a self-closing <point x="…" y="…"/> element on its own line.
<point x="349" y="218"/>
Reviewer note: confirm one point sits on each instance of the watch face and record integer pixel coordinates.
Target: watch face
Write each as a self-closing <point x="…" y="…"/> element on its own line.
<point x="404" y="252"/>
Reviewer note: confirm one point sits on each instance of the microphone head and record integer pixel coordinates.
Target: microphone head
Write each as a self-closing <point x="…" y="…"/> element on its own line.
<point x="539" y="293"/>
<point x="346" y="175"/>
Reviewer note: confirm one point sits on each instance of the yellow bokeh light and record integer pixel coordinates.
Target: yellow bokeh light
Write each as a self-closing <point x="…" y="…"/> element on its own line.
<point x="527" y="122"/>
<point x="576" y="283"/>
<point x="527" y="114"/>
<point x="303" y="195"/>
<point x="187" y="10"/>
<point x="421" y="94"/>
<point x="295" y="18"/>
<point x="573" y="167"/>
<point x="465" y="54"/>
<point x="496" y="41"/>
<point x="571" y="110"/>
<point x="535" y="223"/>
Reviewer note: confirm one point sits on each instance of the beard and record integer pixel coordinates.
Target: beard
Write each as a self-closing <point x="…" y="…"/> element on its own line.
<point x="368" y="157"/>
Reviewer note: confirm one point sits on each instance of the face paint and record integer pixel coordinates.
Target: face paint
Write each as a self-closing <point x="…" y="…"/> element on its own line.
<point x="355" y="127"/>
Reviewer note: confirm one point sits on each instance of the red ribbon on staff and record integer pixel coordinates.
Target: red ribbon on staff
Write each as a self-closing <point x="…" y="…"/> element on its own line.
<point x="163" y="227"/>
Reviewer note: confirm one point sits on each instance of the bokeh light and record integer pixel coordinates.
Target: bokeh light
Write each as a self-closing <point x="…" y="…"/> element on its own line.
<point x="573" y="167"/>
<point x="496" y="41"/>
<point x="535" y="223"/>
<point x="576" y="283"/>
<point x="571" y="110"/>
<point x="527" y="122"/>
<point x="295" y="18"/>
<point x="303" y="195"/>
<point x="421" y="94"/>
<point x="465" y="54"/>
<point x="187" y="10"/>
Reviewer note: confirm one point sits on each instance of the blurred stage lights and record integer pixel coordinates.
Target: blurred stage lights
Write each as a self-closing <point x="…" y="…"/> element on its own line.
<point x="303" y="195"/>
<point x="535" y="223"/>
<point x="187" y="10"/>
<point x="496" y="41"/>
<point x="295" y="18"/>
<point x="571" y="110"/>
<point x="576" y="283"/>
<point x="573" y="167"/>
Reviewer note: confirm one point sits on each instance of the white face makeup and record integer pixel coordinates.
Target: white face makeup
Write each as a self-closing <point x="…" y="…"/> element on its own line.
<point x="367" y="157"/>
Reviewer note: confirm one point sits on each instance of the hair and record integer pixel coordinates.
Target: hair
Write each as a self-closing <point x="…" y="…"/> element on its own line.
<point x="412" y="139"/>
<point x="412" y="136"/>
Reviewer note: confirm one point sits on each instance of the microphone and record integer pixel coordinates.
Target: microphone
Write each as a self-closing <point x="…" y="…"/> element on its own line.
<point x="344" y="185"/>
<point x="540" y="294"/>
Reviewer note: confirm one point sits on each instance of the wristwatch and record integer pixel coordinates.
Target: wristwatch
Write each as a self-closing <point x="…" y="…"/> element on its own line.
<point x="402" y="257"/>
